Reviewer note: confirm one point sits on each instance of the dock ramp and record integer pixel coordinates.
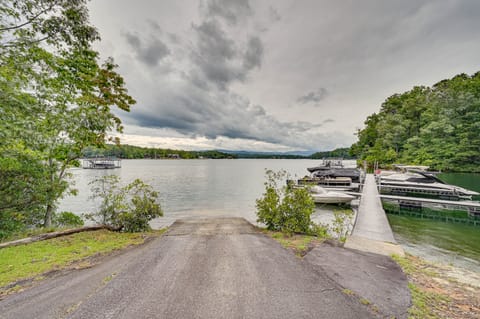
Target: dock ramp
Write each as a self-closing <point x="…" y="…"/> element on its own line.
<point x="372" y="232"/>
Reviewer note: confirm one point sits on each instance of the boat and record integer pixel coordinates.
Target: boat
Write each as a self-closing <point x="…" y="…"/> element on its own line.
<point x="331" y="175"/>
<point x="335" y="183"/>
<point x="327" y="163"/>
<point x="333" y="168"/>
<point x="322" y="196"/>
<point x="421" y="183"/>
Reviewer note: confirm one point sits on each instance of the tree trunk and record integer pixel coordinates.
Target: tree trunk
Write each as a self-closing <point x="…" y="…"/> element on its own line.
<point x="29" y="240"/>
<point x="48" y="216"/>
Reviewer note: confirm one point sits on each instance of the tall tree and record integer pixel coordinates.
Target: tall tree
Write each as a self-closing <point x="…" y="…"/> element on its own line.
<point x="66" y="94"/>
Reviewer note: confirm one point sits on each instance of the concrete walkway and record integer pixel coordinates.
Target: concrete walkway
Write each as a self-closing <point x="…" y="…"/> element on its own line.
<point x="372" y="232"/>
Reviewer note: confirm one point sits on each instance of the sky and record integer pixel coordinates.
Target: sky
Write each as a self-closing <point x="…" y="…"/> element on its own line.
<point x="276" y="75"/>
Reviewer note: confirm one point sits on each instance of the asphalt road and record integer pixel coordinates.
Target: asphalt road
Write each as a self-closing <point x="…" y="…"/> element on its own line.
<point x="201" y="268"/>
<point x="374" y="277"/>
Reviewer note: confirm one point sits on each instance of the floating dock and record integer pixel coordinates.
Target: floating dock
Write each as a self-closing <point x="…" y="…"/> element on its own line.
<point x="102" y="163"/>
<point x="415" y="206"/>
<point x="372" y="232"/>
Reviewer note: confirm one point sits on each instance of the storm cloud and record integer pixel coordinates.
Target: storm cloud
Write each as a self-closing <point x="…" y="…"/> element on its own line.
<point x="150" y="51"/>
<point x="229" y="71"/>
<point x="202" y="102"/>
<point x="232" y="11"/>
<point x="314" y="96"/>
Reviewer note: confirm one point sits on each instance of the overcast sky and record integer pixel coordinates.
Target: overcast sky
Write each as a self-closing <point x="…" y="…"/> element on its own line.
<point x="276" y="75"/>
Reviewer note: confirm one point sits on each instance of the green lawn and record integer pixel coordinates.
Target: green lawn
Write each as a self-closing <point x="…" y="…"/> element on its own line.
<point x="27" y="261"/>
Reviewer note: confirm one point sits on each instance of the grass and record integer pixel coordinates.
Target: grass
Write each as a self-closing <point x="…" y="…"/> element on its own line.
<point x="29" y="261"/>
<point x="423" y="302"/>
<point x="365" y="301"/>
<point x="31" y="233"/>
<point x="435" y="295"/>
<point x="299" y="244"/>
<point x="348" y="292"/>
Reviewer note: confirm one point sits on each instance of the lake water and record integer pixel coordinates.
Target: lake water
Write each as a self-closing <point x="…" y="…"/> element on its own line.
<point x="198" y="188"/>
<point x="457" y="244"/>
<point x="220" y="188"/>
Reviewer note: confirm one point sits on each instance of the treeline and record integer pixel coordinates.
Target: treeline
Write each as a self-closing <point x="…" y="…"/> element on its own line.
<point x="136" y="152"/>
<point x="336" y="153"/>
<point x="437" y="126"/>
<point x="248" y="155"/>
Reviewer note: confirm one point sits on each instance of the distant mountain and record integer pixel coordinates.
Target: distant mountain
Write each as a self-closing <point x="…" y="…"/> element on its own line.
<point x="254" y="154"/>
<point x="338" y="153"/>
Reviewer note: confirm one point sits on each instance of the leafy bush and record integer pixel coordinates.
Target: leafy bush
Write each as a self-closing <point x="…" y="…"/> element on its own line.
<point x="10" y="223"/>
<point x="341" y="223"/>
<point x="285" y="208"/>
<point x="129" y="208"/>
<point x="68" y="219"/>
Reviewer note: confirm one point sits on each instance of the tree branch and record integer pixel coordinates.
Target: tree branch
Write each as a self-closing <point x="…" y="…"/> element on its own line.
<point x="26" y="22"/>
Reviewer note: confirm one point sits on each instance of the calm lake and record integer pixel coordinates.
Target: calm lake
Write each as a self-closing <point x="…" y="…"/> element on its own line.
<point x="219" y="188"/>
<point x="194" y="187"/>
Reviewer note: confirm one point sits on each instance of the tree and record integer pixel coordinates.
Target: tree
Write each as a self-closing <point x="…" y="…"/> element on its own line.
<point x="437" y="126"/>
<point x="56" y="96"/>
<point x="285" y="208"/>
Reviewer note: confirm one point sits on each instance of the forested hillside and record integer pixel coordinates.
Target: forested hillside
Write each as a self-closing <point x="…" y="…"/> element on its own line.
<point x="437" y="126"/>
<point x="130" y="152"/>
<point x="338" y="153"/>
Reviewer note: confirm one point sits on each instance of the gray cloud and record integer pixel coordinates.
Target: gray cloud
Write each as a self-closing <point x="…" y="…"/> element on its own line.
<point x="218" y="59"/>
<point x="214" y="55"/>
<point x="211" y="89"/>
<point x="253" y="56"/>
<point x="201" y="102"/>
<point x="149" y="52"/>
<point x="133" y="39"/>
<point x="313" y="96"/>
<point x="232" y="11"/>
<point x="228" y="115"/>
<point x="273" y="14"/>
<point x="154" y="25"/>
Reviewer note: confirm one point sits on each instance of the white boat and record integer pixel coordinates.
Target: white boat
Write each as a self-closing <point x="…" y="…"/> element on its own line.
<point x="321" y="196"/>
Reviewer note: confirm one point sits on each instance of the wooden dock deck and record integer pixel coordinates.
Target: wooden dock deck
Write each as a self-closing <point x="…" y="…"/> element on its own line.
<point x="371" y="231"/>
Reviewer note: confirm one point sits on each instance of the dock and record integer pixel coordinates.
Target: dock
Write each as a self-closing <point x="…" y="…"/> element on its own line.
<point x="414" y="206"/>
<point x="467" y="205"/>
<point x="372" y="232"/>
<point x="102" y="163"/>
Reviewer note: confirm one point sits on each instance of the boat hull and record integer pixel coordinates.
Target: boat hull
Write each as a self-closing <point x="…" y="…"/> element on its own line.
<point x="329" y="199"/>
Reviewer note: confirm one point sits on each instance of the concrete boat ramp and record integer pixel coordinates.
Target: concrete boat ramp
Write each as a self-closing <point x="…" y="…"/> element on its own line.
<point x="372" y="232"/>
<point x="201" y="268"/>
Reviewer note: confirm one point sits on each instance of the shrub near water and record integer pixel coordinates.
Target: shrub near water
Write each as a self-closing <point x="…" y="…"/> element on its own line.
<point x="284" y="208"/>
<point x="68" y="219"/>
<point x="129" y="208"/>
